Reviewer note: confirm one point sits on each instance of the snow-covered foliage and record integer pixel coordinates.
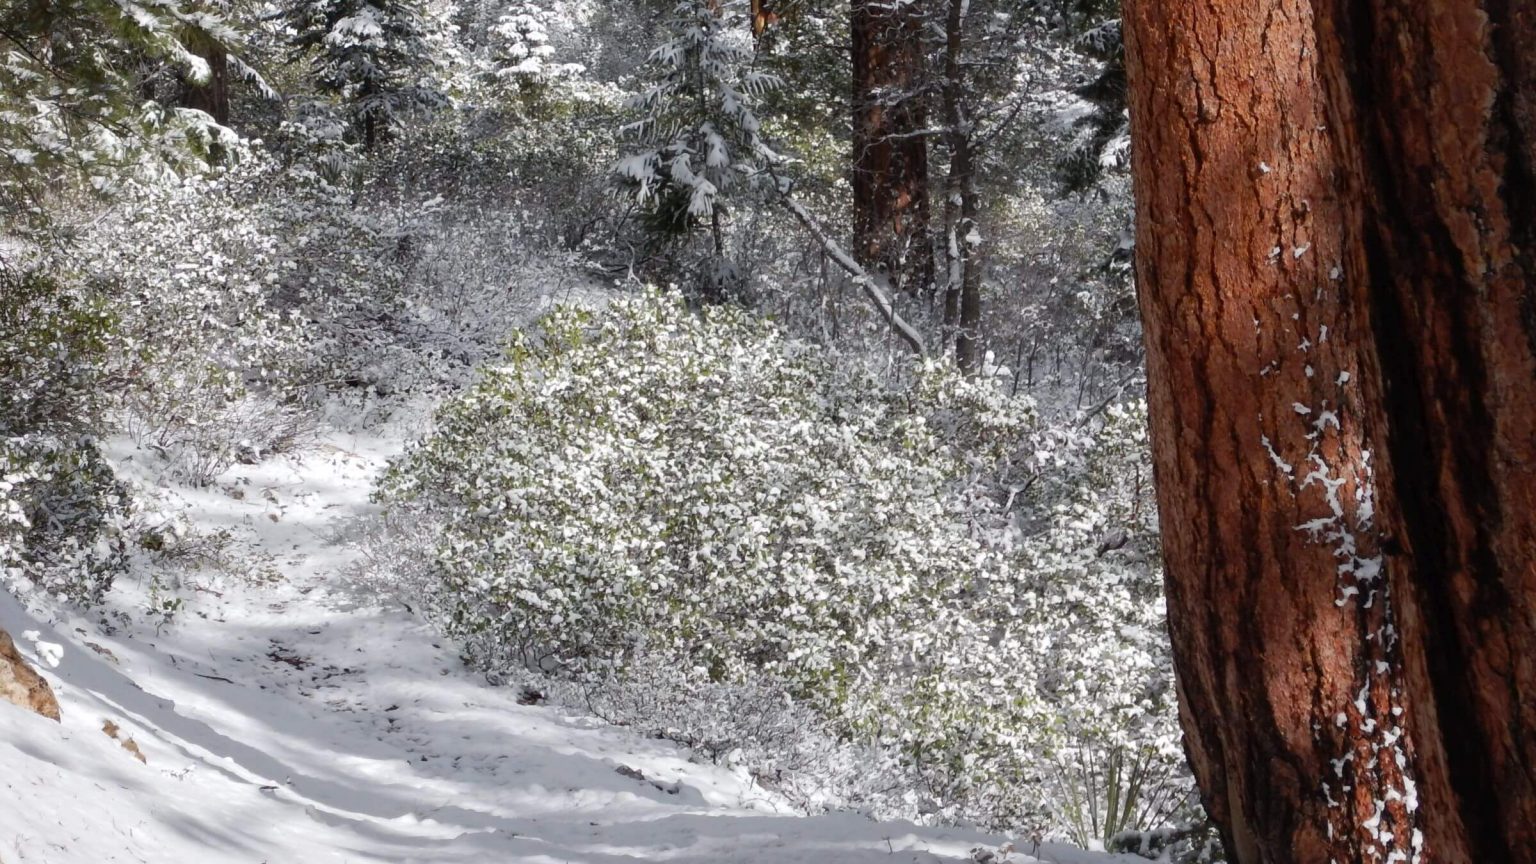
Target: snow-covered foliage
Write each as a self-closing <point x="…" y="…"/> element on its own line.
<point x="520" y="47"/>
<point x="754" y="727"/>
<point x="1097" y="612"/>
<point x="64" y="518"/>
<point x="69" y="103"/>
<point x="699" y="135"/>
<point x="1195" y="844"/>
<point x="62" y="511"/>
<point x="648" y="488"/>
<point x="1100" y="119"/>
<point x="371" y="55"/>
<point x="246" y="295"/>
<point x="210" y="365"/>
<point x="781" y="517"/>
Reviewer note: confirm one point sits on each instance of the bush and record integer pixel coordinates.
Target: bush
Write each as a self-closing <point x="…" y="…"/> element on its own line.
<point x="63" y="517"/>
<point x="1094" y="607"/>
<point x="696" y="483"/>
<point x="62" y="511"/>
<point x="51" y="356"/>
<point x="785" y="746"/>
<point x="212" y="365"/>
<point x="649" y="489"/>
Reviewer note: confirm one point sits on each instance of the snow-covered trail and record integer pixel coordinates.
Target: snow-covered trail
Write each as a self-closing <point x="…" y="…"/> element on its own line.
<point x="295" y="718"/>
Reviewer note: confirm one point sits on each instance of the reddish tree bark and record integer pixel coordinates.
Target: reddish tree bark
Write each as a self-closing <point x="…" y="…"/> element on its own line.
<point x="1434" y="104"/>
<point x="1287" y="669"/>
<point x="1337" y="222"/>
<point x="890" y="147"/>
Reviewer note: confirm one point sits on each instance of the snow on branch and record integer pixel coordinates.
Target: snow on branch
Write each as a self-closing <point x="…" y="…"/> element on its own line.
<point x="876" y="292"/>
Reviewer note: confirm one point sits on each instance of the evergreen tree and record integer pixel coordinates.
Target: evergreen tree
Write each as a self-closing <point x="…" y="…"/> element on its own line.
<point x="374" y="55"/>
<point x="520" y="43"/>
<point x="1103" y="142"/>
<point x="699" y="135"/>
<point x="890" y="146"/>
<point x="75" y="79"/>
<point x="1336" y="276"/>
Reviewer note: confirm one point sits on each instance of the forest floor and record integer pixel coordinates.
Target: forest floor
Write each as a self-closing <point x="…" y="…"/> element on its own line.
<point x="290" y="714"/>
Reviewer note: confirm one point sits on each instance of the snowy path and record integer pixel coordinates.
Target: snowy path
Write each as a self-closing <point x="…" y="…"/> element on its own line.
<point x="289" y="719"/>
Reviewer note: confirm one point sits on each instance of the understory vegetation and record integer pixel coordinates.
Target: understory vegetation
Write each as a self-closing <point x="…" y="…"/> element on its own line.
<point x="683" y="468"/>
<point x="924" y="563"/>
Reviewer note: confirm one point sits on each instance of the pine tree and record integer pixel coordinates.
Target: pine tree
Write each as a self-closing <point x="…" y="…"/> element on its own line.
<point x="374" y="55"/>
<point x="1336" y="272"/>
<point x="699" y="136"/>
<point x="891" y="211"/>
<point x="1104" y="136"/>
<point x="73" y="82"/>
<point x="520" y="42"/>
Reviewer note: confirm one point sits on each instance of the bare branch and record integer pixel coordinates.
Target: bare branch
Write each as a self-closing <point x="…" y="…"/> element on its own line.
<point x="876" y="292"/>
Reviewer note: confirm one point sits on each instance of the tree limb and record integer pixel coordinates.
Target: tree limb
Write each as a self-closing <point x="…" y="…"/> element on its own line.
<point x="872" y="287"/>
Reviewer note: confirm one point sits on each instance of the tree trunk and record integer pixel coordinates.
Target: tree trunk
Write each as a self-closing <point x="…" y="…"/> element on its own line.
<point x="890" y="147"/>
<point x="211" y="97"/>
<point x="962" y="304"/>
<point x="1288" y="669"/>
<point x="1435" y="107"/>
<point x="1337" y="222"/>
<point x="962" y="292"/>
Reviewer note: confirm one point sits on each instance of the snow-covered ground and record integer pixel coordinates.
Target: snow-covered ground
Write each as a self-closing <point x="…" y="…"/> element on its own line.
<point x="290" y="716"/>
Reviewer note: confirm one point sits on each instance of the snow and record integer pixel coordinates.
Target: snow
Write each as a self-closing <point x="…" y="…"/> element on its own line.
<point x="298" y="717"/>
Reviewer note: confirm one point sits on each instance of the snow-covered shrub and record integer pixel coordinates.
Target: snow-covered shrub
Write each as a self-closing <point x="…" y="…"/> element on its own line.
<point x="313" y="145"/>
<point x="213" y="367"/>
<point x="373" y="56"/>
<point x="653" y="483"/>
<point x="62" y="512"/>
<point x="649" y="491"/>
<point x="787" y="747"/>
<point x="248" y="293"/>
<point x="51" y="354"/>
<point x="1197" y="843"/>
<point x="64" y="517"/>
<point x="409" y="267"/>
<point x="519" y="44"/>
<point x="696" y="483"/>
<point x="1095" y="608"/>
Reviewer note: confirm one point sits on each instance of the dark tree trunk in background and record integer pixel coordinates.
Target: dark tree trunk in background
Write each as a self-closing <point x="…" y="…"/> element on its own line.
<point x="962" y="298"/>
<point x="213" y="96"/>
<point x="1276" y="607"/>
<point x="1335" y="230"/>
<point x="1435" y="107"/>
<point x="962" y="245"/>
<point x="890" y="151"/>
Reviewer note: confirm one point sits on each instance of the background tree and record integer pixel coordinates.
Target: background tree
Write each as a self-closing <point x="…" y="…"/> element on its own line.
<point x="1334" y="241"/>
<point x="75" y="82"/>
<point x="699" y="133"/>
<point x="373" y="55"/>
<point x="1103" y="131"/>
<point x="978" y="94"/>
<point x="890" y="142"/>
